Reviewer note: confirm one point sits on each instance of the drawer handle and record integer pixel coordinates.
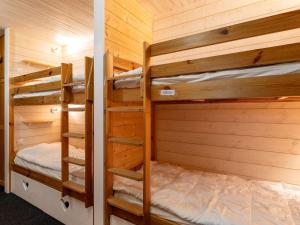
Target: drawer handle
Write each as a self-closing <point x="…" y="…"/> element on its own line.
<point x="65" y="204"/>
<point x="25" y="185"/>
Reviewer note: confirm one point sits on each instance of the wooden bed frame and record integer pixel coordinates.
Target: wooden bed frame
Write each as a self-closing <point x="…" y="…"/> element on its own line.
<point x="270" y="88"/>
<point x="83" y="193"/>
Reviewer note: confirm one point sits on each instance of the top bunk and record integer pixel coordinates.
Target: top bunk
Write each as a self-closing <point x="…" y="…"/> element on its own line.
<point x="45" y="87"/>
<point x="260" y="74"/>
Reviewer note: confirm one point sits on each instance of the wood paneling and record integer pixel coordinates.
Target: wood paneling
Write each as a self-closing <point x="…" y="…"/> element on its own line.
<point x="28" y="135"/>
<point x="46" y="19"/>
<point x="257" y="140"/>
<point x="200" y="17"/>
<point x="127" y="25"/>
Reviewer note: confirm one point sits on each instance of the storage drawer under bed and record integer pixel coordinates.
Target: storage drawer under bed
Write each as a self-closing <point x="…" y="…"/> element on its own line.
<point x="49" y="200"/>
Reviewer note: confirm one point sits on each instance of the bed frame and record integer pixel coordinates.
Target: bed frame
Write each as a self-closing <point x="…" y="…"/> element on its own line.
<point x="270" y="88"/>
<point x="65" y="97"/>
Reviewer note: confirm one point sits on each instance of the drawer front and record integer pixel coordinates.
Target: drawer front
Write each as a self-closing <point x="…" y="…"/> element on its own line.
<point x="49" y="200"/>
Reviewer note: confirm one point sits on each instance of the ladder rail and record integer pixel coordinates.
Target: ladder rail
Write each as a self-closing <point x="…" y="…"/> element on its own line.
<point x="108" y="73"/>
<point x="65" y="74"/>
<point x="89" y="128"/>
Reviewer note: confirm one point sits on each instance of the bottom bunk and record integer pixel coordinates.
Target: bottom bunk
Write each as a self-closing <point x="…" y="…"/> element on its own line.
<point x="42" y="162"/>
<point x="182" y="196"/>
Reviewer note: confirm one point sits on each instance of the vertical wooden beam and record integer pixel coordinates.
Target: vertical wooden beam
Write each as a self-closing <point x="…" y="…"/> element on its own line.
<point x="147" y="134"/>
<point x="12" y="153"/>
<point x="89" y="130"/>
<point x="65" y="71"/>
<point x="108" y="73"/>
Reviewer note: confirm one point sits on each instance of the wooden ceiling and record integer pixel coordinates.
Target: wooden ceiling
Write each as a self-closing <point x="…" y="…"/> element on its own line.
<point x="48" y="18"/>
<point x="159" y="7"/>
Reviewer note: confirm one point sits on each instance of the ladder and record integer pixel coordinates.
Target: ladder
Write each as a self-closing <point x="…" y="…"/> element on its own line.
<point x="79" y="191"/>
<point x="138" y="214"/>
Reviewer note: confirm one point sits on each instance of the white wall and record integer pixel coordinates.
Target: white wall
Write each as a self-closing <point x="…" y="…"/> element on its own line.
<point x="99" y="22"/>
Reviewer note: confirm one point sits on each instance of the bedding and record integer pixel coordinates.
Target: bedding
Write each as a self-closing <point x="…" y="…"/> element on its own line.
<point x="76" y="89"/>
<point x="278" y="69"/>
<point x="45" y="158"/>
<point x="196" y="197"/>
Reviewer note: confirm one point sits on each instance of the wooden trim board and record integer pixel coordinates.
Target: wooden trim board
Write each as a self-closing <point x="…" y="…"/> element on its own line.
<point x="272" y="24"/>
<point x="253" y="58"/>
<point x="243" y="88"/>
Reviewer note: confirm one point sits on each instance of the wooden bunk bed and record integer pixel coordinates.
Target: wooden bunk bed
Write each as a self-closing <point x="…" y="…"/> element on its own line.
<point x="276" y="87"/>
<point x="61" y="91"/>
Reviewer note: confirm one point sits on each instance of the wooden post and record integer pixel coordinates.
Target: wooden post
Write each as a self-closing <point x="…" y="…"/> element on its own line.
<point x="12" y="153"/>
<point x="147" y="134"/>
<point x="89" y="130"/>
<point x="108" y="73"/>
<point x="65" y="95"/>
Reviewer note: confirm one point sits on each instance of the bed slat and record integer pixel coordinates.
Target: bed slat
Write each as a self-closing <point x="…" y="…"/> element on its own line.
<point x="258" y="57"/>
<point x="272" y="24"/>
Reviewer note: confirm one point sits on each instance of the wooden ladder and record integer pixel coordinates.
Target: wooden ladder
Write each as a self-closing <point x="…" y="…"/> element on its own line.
<point x="81" y="192"/>
<point x="140" y="214"/>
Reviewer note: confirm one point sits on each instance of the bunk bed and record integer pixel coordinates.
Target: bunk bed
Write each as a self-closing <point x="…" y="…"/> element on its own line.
<point x="268" y="74"/>
<point x="58" y="165"/>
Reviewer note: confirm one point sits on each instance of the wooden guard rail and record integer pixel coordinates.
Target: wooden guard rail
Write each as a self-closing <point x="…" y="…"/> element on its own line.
<point x="266" y="56"/>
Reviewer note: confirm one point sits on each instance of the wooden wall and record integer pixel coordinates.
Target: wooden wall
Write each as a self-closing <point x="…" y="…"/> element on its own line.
<point x="127" y="25"/>
<point x="1" y="109"/>
<point x="211" y="14"/>
<point x="127" y="125"/>
<point x="257" y="140"/>
<point x="23" y="47"/>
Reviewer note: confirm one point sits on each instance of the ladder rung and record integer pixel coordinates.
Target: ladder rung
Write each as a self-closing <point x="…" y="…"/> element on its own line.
<point x="72" y="160"/>
<point x="76" y="83"/>
<point x="126" y="206"/>
<point x="74" y="135"/>
<point x="128" y="141"/>
<point x="126" y="109"/>
<point x="77" y="109"/>
<point x="79" y="174"/>
<point x="125" y="77"/>
<point x="126" y="173"/>
<point x="74" y="187"/>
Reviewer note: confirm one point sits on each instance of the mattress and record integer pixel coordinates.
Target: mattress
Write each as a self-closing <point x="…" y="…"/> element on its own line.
<point x="45" y="158"/>
<point x="197" y="197"/>
<point x="273" y="70"/>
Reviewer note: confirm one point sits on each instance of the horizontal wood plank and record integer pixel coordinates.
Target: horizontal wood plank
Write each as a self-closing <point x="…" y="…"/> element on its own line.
<point x="127" y="206"/>
<point x="126" y="173"/>
<point x="51" y="86"/>
<point x="36" y="75"/>
<point x="80" y="189"/>
<point x="272" y="24"/>
<point x="255" y="87"/>
<point x="253" y="58"/>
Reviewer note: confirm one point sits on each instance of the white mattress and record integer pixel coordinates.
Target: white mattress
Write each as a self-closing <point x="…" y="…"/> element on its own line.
<point x="46" y="159"/>
<point x="278" y="69"/>
<point x="198" y="197"/>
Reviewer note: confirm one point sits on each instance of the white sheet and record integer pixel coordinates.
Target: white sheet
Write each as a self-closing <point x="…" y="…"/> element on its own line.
<point x="76" y="89"/>
<point x="46" y="80"/>
<point x="46" y="159"/>
<point x="278" y="69"/>
<point x="213" y="199"/>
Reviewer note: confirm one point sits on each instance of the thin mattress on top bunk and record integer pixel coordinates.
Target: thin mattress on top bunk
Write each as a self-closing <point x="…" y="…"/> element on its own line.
<point x="46" y="80"/>
<point x="45" y="158"/>
<point x="272" y="70"/>
<point x="197" y="197"/>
